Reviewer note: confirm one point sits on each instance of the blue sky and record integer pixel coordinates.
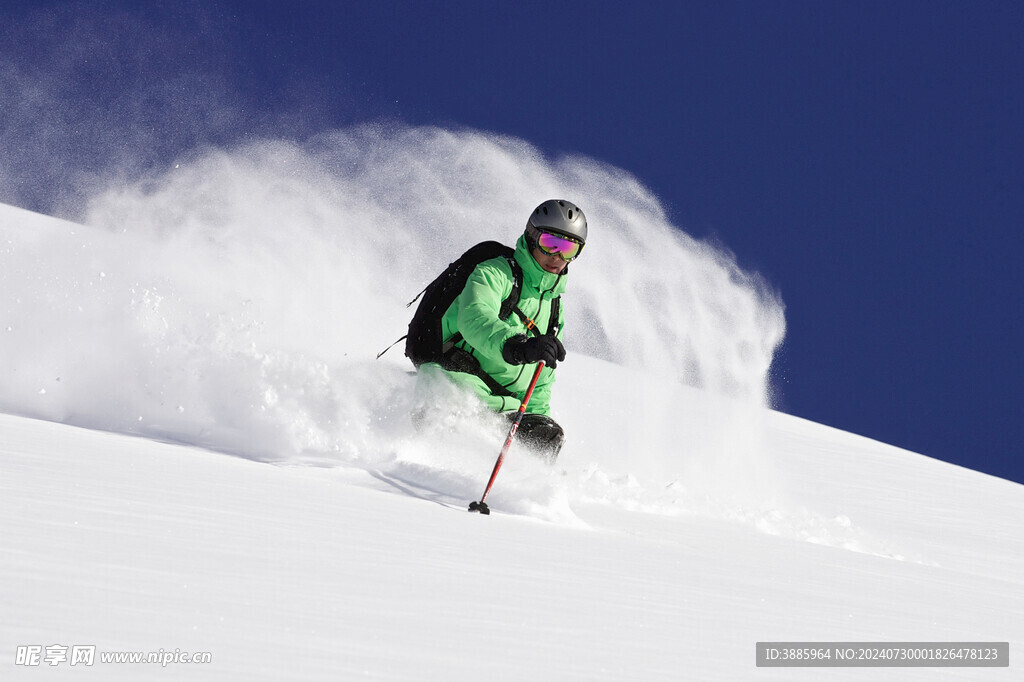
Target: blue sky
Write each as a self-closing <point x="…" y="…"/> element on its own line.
<point x="864" y="157"/>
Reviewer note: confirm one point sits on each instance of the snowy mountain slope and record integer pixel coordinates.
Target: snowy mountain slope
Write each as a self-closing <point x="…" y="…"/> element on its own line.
<point x="207" y="459"/>
<point x="292" y="572"/>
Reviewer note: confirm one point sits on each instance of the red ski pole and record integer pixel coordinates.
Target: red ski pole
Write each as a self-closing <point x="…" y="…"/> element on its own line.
<point x="481" y="506"/>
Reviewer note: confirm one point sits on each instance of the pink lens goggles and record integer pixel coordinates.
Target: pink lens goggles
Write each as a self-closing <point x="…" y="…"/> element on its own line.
<point x="551" y="244"/>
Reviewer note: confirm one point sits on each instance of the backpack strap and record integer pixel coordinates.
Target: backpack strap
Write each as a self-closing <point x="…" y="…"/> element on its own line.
<point x="554" y="323"/>
<point x="556" y="310"/>
<point x="511" y="303"/>
<point x="391" y="346"/>
<point x="456" y="359"/>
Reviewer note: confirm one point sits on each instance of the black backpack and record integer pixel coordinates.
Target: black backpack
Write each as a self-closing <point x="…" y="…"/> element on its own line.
<point x="423" y="343"/>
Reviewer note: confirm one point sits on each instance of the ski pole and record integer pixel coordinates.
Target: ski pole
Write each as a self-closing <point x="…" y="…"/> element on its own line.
<point x="481" y="506"/>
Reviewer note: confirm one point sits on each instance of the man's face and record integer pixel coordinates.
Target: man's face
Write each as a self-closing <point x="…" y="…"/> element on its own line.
<point x="550" y="262"/>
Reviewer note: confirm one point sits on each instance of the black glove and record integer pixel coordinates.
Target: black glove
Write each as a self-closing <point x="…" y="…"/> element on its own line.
<point x="520" y="350"/>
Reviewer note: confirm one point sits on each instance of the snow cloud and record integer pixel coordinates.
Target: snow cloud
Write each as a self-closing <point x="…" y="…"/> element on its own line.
<point x="259" y="280"/>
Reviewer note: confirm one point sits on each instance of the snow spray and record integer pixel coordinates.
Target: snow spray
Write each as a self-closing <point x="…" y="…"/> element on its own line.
<point x="237" y="299"/>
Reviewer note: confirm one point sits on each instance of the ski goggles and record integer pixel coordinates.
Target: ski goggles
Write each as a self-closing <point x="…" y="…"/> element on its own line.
<point x="552" y="244"/>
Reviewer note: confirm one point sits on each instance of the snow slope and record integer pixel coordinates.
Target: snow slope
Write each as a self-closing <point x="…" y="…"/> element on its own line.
<point x="199" y="453"/>
<point x="297" y="572"/>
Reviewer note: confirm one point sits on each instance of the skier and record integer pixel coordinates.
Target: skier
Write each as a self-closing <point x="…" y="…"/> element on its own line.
<point x="495" y="355"/>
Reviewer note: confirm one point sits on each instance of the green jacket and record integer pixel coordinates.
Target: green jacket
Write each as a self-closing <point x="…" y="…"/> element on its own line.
<point x="474" y="314"/>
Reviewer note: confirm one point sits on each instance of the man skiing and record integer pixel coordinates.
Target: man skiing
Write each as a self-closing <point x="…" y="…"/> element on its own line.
<point x="494" y="352"/>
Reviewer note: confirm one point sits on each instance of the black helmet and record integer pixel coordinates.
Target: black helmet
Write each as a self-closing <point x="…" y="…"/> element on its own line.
<point x="558" y="216"/>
